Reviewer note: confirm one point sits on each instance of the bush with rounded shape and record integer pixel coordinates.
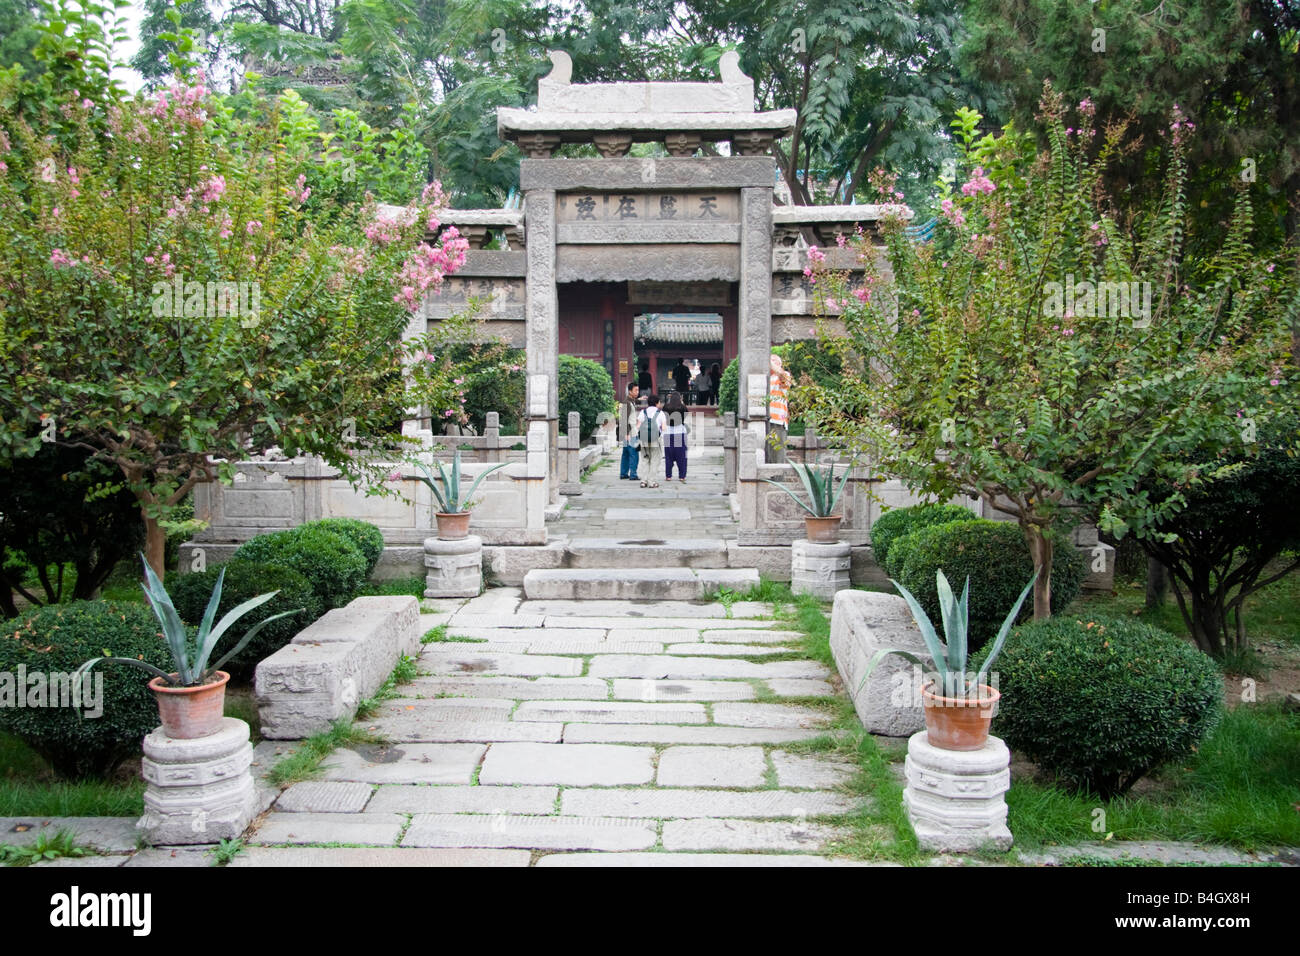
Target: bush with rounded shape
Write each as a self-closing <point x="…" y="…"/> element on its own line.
<point x="1102" y="701"/>
<point x="244" y="580"/>
<point x="586" y="388"/>
<point x="729" y="388"/>
<point x="996" y="558"/>
<point x="57" y="640"/>
<point x="368" y="539"/>
<point x="898" y="523"/>
<point x="332" y="563"/>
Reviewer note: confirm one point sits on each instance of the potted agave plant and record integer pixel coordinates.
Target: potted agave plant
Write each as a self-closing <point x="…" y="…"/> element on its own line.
<point x="191" y="699"/>
<point x="958" y="706"/>
<point x="821" y="523"/>
<point x="453" y="518"/>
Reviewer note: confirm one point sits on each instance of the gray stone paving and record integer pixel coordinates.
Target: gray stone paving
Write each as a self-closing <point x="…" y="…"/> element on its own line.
<point x="545" y="734"/>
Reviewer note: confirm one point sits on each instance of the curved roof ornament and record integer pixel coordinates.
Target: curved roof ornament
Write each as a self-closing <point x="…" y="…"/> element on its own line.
<point x="561" y="67"/>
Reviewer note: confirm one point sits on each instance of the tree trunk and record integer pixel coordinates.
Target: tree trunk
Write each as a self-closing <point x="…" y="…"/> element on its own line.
<point x="1157" y="583"/>
<point x="1040" y="549"/>
<point x="155" y="545"/>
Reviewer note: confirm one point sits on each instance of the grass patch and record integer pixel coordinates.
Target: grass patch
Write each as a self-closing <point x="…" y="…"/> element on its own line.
<point x="47" y="846"/>
<point x="405" y="672"/>
<point x="435" y="635"/>
<point x="1238" y="789"/>
<point x="28" y="787"/>
<point x="304" y="763"/>
<point x="394" y="587"/>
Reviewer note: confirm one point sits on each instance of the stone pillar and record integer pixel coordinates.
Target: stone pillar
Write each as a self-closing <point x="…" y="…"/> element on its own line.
<point x="492" y="437"/>
<point x="571" y="456"/>
<point x="200" y="790"/>
<point x="729" y="453"/>
<point x="955" y="798"/>
<point x="821" y="570"/>
<point x="755" y="302"/>
<point x="455" y="567"/>
<point x="542" y="330"/>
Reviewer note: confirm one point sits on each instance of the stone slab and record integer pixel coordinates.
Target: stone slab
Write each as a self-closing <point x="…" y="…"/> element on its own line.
<point x="105" y="834"/>
<point x="623" y="610"/>
<point x="516" y="830"/>
<point x="612" y="712"/>
<point x="808" y="771"/>
<point x="441" y="659"/>
<point x="626" y="688"/>
<point x="769" y="715"/>
<point x="317" y="796"/>
<point x="532" y="637"/>
<point x="375" y="829"/>
<point x="684" y="803"/>
<point x="358" y="858"/>
<point x="799" y="687"/>
<point x="510" y="688"/>
<point x="404" y="763"/>
<point x="735" y="834"/>
<point x="674" y="668"/>
<point x="648" y="583"/>
<point x="863" y="622"/>
<point x="703" y="649"/>
<point x="108" y="861"/>
<point x="748" y="635"/>
<point x="462" y="620"/>
<point x="414" y="727"/>
<point x="673" y="635"/>
<point x="675" y="734"/>
<point x="172" y="857"/>
<point x="656" y="515"/>
<point x="690" y="766"/>
<point x="456" y="799"/>
<point x="574" y="765"/>
<point x="727" y="860"/>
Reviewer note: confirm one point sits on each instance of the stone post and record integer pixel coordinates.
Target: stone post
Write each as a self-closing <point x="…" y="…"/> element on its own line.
<point x="199" y="790"/>
<point x="455" y="568"/>
<point x="729" y="453"/>
<point x="492" y="437"/>
<point x="570" y="456"/>
<point x="755" y="302"/>
<point x="542" y="331"/>
<point x="955" y="799"/>
<point x="821" y="570"/>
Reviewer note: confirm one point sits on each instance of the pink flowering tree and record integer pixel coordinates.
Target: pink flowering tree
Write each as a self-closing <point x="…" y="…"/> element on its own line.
<point x="172" y="295"/>
<point x="1042" y="354"/>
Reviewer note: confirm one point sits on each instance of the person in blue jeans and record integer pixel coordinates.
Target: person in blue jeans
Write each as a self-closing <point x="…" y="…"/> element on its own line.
<point x="627" y="467"/>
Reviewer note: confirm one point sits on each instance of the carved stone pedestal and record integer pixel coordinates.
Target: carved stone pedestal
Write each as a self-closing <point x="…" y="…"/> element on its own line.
<point x="200" y="790"/>
<point x="955" y="799"/>
<point x="455" y="567"/>
<point x="819" y="569"/>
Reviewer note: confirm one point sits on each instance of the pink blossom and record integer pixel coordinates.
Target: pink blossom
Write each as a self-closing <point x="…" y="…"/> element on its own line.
<point x="254" y="226"/>
<point x="72" y="175"/>
<point x="816" y="255"/>
<point x="1270" y="267"/>
<point x="978" y="183"/>
<point x="60" y="258"/>
<point x="862" y="295"/>
<point x="394" y="476"/>
<point x="214" y="188"/>
<point x="1087" y="107"/>
<point x="952" y="213"/>
<point x="841" y="241"/>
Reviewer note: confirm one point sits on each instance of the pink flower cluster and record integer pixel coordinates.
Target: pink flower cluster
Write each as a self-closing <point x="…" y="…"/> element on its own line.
<point x="978" y="183"/>
<point x="425" y="268"/>
<point x="214" y="188"/>
<point x="300" y="193"/>
<point x="183" y="102"/>
<point x="952" y="213"/>
<point x="61" y="259"/>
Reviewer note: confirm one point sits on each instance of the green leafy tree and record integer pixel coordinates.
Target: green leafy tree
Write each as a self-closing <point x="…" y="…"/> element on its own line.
<point x="1040" y="356"/>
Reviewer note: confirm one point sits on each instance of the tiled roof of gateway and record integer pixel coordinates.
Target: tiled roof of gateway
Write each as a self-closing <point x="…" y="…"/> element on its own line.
<point x="692" y="328"/>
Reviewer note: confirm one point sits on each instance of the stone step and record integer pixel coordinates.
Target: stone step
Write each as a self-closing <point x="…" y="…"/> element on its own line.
<point x="677" y="584"/>
<point x="637" y="552"/>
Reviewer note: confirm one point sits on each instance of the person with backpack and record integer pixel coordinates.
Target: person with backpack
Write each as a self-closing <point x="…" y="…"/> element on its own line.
<point x="650" y="429"/>
<point x="675" y="437"/>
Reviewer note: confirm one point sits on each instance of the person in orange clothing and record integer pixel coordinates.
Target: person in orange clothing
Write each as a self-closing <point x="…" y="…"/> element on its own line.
<point x="778" y="410"/>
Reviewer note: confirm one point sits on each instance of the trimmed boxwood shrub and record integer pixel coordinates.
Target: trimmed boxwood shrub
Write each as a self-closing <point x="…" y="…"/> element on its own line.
<point x="995" y="556"/>
<point x="729" y="388"/>
<point x="586" y="388"/>
<point x="245" y="580"/>
<point x="900" y="522"/>
<point x="1102" y="701"/>
<point x="332" y="563"/>
<point x="59" y="639"/>
<point x="368" y="539"/>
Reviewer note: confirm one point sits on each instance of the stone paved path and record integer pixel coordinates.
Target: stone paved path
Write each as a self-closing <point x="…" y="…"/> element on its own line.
<point x="609" y="507"/>
<point x="567" y="733"/>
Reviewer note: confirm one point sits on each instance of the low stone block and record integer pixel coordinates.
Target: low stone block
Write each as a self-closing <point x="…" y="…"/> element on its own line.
<point x="405" y="763"/>
<point x="575" y="765"/>
<point x="454" y="568"/>
<point x="375" y="829"/>
<point x="821" y="570"/>
<point x="711" y="767"/>
<point x="863" y="622"/>
<point x="315" y="796"/>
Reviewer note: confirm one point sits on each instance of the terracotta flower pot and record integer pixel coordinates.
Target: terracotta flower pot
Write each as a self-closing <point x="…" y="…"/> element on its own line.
<point x="452" y="526"/>
<point x="822" y="530"/>
<point x="957" y="723"/>
<point x="190" y="712"/>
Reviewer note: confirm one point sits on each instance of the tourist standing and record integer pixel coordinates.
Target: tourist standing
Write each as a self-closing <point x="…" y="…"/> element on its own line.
<point x="644" y="380"/>
<point x="778" y="411"/>
<point x="650" y="429"/>
<point x="703" y="386"/>
<point x="681" y="374"/>
<point x="715" y="375"/>
<point x="627" y="431"/>
<point x="675" y="431"/>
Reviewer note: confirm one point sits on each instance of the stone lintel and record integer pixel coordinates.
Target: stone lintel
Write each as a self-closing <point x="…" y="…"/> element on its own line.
<point x="494" y="263"/>
<point x="642" y="232"/>
<point x="714" y="172"/>
<point x="616" y="263"/>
